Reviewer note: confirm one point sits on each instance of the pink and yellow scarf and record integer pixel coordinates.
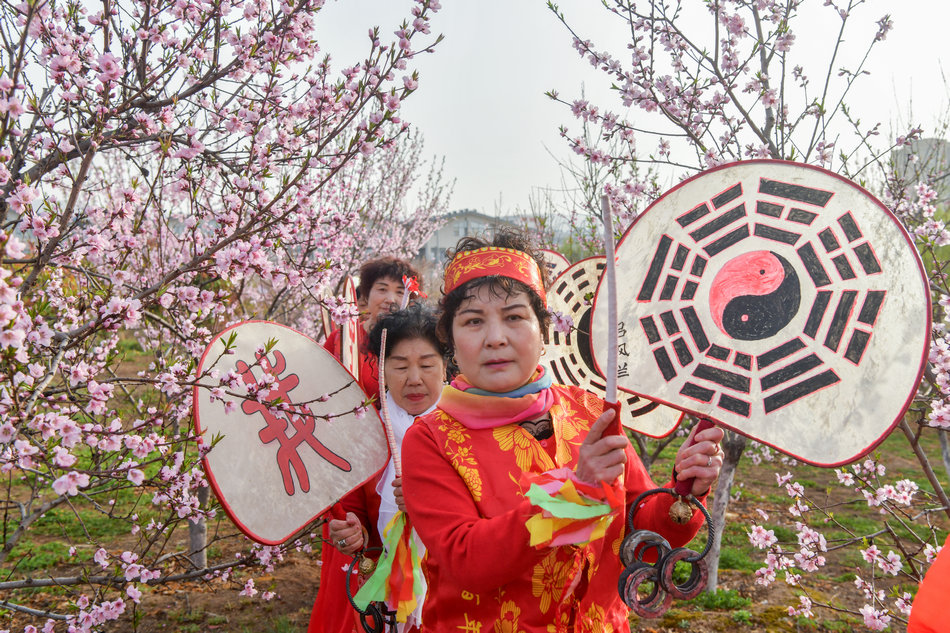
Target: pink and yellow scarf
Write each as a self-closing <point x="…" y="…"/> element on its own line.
<point x="479" y="409"/>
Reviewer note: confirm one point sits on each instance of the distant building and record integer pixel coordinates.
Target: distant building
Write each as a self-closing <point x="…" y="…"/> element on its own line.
<point x="457" y="224"/>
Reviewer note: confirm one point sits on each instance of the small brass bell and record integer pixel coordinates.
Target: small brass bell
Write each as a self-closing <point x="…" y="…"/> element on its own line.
<point x="367" y="566"/>
<point x="680" y="511"/>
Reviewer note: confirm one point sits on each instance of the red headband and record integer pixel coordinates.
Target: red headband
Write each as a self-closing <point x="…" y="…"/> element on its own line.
<point x="493" y="260"/>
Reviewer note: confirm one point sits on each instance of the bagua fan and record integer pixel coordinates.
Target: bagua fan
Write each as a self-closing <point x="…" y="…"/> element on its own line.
<point x="779" y="299"/>
<point x="349" y="333"/>
<point x="569" y="354"/>
<point x="279" y="462"/>
<point x="555" y="262"/>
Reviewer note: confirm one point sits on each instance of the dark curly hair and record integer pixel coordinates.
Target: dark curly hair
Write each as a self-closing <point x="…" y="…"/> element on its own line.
<point x="416" y="321"/>
<point x="500" y="285"/>
<point x="382" y="268"/>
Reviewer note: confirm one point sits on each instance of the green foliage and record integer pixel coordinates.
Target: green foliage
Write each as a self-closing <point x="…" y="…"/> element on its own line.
<point x="742" y="616"/>
<point x="64" y="522"/>
<point x="681" y="572"/>
<point x="738" y="560"/>
<point x="722" y="599"/>
<point x="129" y="346"/>
<point x="31" y="556"/>
<point x="783" y="534"/>
<point x="734" y="534"/>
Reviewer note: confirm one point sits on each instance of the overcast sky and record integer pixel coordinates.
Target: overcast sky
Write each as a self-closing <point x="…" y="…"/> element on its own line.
<point x="481" y="101"/>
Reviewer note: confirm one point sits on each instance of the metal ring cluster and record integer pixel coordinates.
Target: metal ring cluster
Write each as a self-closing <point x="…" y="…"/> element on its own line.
<point x="639" y="574"/>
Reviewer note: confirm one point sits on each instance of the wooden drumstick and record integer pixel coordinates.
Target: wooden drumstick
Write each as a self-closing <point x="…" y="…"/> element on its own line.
<point x="610" y="279"/>
<point x="384" y="408"/>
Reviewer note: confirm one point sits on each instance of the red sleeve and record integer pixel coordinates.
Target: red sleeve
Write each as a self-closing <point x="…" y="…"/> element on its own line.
<point x="332" y="344"/>
<point x="653" y="513"/>
<point x="485" y="552"/>
<point x="929" y="611"/>
<point x="364" y="503"/>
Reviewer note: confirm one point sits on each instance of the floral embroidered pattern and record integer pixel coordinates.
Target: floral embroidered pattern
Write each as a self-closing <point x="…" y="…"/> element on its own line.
<point x="548" y="580"/>
<point x="457" y="448"/>
<point x="594" y="620"/>
<point x="560" y="625"/>
<point x="569" y="426"/>
<point x="527" y="451"/>
<point x="593" y="404"/>
<point x="507" y="621"/>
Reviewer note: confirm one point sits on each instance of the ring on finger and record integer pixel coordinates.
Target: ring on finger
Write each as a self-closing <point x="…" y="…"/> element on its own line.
<point x="709" y="461"/>
<point x="341" y="542"/>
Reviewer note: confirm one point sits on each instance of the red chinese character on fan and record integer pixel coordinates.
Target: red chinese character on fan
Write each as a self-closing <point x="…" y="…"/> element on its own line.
<point x="299" y="417"/>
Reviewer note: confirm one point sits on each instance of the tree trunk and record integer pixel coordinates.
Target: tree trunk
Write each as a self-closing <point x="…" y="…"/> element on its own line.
<point x="198" y="534"/>
<point x="640" y="444"/>
<point x="945" y="450"/>
<point x="733" y="446"/>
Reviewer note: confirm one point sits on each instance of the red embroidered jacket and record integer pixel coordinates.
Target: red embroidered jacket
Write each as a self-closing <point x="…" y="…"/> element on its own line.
<point x="465" y="497"/>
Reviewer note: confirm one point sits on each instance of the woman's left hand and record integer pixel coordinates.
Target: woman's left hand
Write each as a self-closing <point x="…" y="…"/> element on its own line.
<point x="346" y="534"/>
<point x="397" y="492"/>
<point x="700" y="460"/>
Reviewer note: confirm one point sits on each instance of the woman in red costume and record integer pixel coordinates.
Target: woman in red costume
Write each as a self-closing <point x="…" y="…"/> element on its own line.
<point x="493" y="563"/>
<point x="379" y="292"/>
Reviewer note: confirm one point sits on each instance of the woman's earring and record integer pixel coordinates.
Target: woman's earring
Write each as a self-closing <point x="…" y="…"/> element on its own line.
<point x="544" y="350"/>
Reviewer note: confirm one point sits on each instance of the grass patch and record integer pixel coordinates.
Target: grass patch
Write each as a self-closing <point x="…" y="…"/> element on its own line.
<point x="63" y="521"/>
<point x="31" y="556"/>
<point x="856" y="523"/>
<point x="676" y="618"/>
<point x="721" y="599"/>
<point x="807" y="624"/>
<point x="742" y="616"/>
<point x="811" y="484"/>
<point x="128" y="346"/>
<point x="784" y="534"/>
<point x="735" y="535"/>
<point x="737" y="560"/>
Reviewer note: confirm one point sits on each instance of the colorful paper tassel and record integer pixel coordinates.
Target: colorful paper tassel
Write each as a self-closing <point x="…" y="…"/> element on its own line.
<point x="572" y="511"/>
<point x="398" y="579"/>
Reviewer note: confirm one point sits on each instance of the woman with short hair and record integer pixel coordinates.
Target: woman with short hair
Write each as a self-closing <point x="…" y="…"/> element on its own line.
<point x="502" y="426"/>
<point x="415" y="372"/>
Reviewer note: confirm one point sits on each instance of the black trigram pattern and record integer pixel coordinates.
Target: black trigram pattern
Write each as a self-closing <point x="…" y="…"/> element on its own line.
<point x="573" y="364"/>
<point x="840" y="319"/>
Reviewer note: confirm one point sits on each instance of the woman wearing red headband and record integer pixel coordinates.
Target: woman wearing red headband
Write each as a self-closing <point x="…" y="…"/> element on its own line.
<point x="500" y="433"/>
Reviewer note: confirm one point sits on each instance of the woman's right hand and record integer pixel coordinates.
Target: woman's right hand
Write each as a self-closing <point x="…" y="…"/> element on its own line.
<point x="397" y="493"/>
<point x="347" y="536"/>
<point x="601" y="458"/>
